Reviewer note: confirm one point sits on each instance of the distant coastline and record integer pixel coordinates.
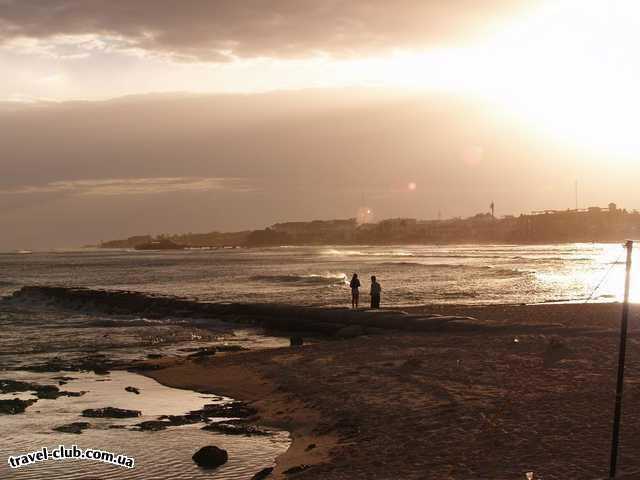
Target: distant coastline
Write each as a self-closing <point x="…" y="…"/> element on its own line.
<point x="594" y="224"/>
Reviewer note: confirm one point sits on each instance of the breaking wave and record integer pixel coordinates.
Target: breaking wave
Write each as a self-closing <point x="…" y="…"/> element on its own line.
<point x="534" y="257"/>
<point x="360" y="253"/>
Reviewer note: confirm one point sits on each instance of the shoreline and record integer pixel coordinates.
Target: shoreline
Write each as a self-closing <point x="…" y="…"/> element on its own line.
<point x="276" y="409"/>
<point x="432" y="392"/>
<point x="444" y="404"/>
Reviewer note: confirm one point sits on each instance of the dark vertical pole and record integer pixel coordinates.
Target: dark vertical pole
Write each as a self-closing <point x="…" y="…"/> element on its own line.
<point x="621" y="357"/>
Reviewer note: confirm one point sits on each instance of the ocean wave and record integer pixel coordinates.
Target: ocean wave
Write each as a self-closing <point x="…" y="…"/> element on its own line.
<point x="312" y="279"/>
<point x="113" y="323"/>
<point x="458" y="294"/>
<point x="423" y="265"/>
<point x="490" y="269"/>
<point x="360" y="253"/>
<point x="532" y="257"/>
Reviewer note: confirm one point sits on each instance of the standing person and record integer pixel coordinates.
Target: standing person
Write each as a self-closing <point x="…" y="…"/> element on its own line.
<point x="355" y="292"/>
<point x="376" y="289"/>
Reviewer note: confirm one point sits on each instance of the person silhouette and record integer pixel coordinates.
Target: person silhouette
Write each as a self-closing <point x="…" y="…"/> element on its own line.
<point x="376" y="290"/>
<point x="355" y="292"/>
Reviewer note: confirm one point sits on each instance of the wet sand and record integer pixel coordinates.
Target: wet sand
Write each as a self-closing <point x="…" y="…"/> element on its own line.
<point x="488" y="404"/>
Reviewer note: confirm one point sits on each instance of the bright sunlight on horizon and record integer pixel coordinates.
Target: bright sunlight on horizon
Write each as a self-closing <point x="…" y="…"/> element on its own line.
<point x="568" y="67"/>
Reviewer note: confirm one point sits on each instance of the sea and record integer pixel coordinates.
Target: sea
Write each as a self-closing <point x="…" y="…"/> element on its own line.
<point x="33" y="333"/>
<point x="319" y="275"/>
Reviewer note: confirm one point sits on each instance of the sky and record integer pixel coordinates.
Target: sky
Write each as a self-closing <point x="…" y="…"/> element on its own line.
<point x="122" y="117"/>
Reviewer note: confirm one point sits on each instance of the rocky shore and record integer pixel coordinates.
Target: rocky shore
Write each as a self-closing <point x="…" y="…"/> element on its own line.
<point x="435" y="392"/>
<point x="340" y="322"/>
<point x="442" y="405"/>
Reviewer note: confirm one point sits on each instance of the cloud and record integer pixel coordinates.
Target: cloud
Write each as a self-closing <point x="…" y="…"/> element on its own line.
<point x="133" y="186"/>
<point x="223" y="30"/>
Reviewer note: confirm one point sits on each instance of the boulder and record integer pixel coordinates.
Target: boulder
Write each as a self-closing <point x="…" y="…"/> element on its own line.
<point x="210" y="457"/>
<point x="152" y="425"/>
<point x="203" y="352"/>
<point x="225" y="410"/>
<point x="48" y="391"/>
<point x="132" y="390"/>
<point x="51" y="392"/>
<point x="110" y="412"/>
<point x="15" y="405"/>
<point x="75" y="427"/>
<point x="231" y="348"/>
<point x="230" y="428"/>
<point x="188" y="419"/>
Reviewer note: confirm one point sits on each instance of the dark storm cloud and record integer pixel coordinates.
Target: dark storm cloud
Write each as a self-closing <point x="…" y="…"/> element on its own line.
<point x="201" y="30"/>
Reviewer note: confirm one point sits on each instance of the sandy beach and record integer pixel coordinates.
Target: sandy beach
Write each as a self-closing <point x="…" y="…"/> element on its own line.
<point x="443" y="405"/>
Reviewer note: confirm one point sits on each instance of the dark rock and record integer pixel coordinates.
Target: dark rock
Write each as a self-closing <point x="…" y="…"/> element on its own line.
<point x="351" y="331"/>
<point x="143" y="367"/>
<point x="228" y="410"/>
<point x="231" y="348"/>
<point x="297" y="469"/>
<point x="11" y="386"/>
<point x="101" y="371"/>
<point x="15" y="405"/>
<point x="310" y="447"/>
<point x="262" y="474"/>
<point x="87" y="363"/>
<point x="110" y="412"/>
<point x="51" y="392"/>
<point x="210" y="457"/>
<point x="73" y="394"/>
<point x="296" y="341"/>
<point x="120" y="427"/>
<point x="235" y="429"/>
<point x="152" y="425"/>
<point x="133" y="390"/>
<point x="47" y="392"/>
<point x="203" y="352"/>
<point x="154" y="356"/>
<point x="188" y="419"/>
<point x="75" y="427"/>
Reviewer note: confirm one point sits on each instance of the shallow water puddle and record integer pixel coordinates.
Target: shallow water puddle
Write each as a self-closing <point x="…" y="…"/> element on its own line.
<point x="159" y="455"/>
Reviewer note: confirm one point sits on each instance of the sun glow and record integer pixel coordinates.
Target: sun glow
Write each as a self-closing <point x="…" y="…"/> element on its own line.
<point x="571" y="69"/>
